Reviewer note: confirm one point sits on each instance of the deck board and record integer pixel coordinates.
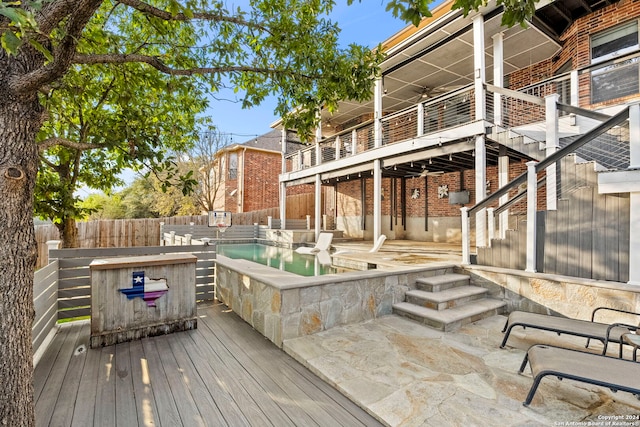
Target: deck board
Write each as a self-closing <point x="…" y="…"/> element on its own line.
<point x="222" y="374"/>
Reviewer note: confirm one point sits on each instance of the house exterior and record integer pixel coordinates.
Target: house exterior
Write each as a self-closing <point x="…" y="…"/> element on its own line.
<point x="249" y="173"/>
<point x="465" y="141"/>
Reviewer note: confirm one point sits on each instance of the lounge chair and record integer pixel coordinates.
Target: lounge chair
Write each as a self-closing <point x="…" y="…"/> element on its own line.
<point x="323" y="244"/>
<point x="615" y="374"/>
<point x="603" y="332"/>
<point x="376" y="247"/>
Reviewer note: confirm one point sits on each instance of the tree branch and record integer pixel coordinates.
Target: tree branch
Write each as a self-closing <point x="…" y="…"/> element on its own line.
<point x="63" y="54"/>
<point x="92" y="59"/>
<point x="147" y="9"/>
<point x="80" y="146"/>
<point x="53" y="13"/>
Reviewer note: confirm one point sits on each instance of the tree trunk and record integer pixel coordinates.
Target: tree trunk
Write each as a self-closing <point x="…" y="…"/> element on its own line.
<point x="68" y="233"/>
<point x="20" y="120"/>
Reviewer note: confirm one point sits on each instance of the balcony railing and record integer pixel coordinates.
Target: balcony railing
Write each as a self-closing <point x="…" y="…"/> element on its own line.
<point x="584" y="88"/>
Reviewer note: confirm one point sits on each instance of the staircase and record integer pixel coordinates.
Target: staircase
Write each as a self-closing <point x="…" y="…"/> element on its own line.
<point x="447" y="302"/>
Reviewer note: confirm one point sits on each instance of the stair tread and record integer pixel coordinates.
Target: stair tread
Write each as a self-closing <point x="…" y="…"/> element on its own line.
<point x="452" y="314"/>
<point x="443" y="278"/>
<point x="448" y="294"/>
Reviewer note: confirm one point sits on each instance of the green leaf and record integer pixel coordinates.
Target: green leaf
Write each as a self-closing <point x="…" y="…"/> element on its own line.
<point x="43" y="50"/>
<point x="10" y="42"/>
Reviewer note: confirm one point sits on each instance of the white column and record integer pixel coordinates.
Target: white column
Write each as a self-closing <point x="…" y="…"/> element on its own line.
<point x="575" y="89"/>
<point x="337" y="147"/>
<point x="552" y="145"/>
<point x="354" y="142"/>
<point x="634" y="196"/>
<point x="481" y="190"/>
<point x="478" y="66"/>
<point x="318" y="206"/>
<point x="491" y="226"/>
<point x="377" y="200"/>
<point x="420" y="130"/>
<point x="283" y="187"/>
<point x="480" y="112"/>
<point x="318" y="139"/>
<point x="532" y="201"/>
<point x="498" y="76"/>
<point x="466" y="239"/>
<point x="503" y="179"/>
<point x="377" y="113"/>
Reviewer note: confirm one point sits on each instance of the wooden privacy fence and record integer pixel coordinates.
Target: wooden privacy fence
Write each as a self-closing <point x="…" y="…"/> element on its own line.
<point x="74" y="276"/>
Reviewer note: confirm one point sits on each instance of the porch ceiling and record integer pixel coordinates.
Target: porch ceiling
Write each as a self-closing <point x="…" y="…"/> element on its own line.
<point x="453" y="157"/>
<point x="441" y="60"/>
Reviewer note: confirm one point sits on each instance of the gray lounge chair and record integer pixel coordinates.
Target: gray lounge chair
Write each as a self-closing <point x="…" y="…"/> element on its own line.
<point x="603" y="332"/>
<point x="615" y="374"/>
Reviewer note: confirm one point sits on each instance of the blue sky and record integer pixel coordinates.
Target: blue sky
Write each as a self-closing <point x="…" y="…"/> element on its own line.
<point x="366" y="23"/>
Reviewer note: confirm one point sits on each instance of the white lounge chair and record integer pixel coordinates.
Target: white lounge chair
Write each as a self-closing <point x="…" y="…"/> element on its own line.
<point x="323" y="244"/>
<point x="376" y="247"/>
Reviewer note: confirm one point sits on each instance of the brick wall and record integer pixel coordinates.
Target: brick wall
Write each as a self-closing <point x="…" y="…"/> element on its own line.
<point x="261" y="170"/>
<point x="576" y="48"/>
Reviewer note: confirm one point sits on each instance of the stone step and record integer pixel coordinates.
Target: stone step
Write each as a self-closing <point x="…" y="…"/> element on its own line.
<point x="442" y="282"/>
<point x="446" y="299"/>
<point x="453" y="318"/>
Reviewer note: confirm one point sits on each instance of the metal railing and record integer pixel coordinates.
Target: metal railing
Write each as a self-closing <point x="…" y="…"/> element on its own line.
<point x="526" y="193"/>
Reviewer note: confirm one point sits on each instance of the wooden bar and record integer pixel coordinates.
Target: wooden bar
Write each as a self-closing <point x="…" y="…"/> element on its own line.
<point x="136" y="297"/>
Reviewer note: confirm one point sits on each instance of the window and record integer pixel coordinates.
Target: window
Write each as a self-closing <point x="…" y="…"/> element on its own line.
<point x="233" y="165"/>
<point x="620" y="79"/>
<point x="614" y="42"/>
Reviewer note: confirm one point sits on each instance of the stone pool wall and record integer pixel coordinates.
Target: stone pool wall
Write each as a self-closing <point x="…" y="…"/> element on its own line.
<point x="282" y="305"/>
<point x="554" y="294"/>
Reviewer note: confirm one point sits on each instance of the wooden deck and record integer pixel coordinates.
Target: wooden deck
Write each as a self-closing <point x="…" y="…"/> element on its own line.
<point x="222" y="374"/>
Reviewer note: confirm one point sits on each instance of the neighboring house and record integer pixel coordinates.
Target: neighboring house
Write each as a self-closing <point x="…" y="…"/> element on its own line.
<point x="462" y="106"/>
<point x="249" y="173"/>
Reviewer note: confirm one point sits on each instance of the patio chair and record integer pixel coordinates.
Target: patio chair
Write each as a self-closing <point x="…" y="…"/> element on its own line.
<point x="603" y="332"/>
<point x="376" y="247"/>
<point x="323" y="244"/>
<point x="615" y="374"/>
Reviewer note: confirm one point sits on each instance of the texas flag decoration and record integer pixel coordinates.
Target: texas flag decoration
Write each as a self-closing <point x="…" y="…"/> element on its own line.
<point x="147" y="289"/>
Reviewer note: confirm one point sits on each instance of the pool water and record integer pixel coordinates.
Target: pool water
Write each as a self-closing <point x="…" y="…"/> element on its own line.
<point x="276" y="257"/>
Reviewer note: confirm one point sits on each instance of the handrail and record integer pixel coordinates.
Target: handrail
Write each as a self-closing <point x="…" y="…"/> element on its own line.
<point x="543" y="164"/>
<point x="515" y="199"/>
<point x="582" y="140"/>
<point x="515" y="94"/>
<point x="572" y="109"/>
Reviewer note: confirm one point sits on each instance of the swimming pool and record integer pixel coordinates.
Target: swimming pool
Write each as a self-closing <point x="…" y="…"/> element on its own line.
<point x="281" y="258"/>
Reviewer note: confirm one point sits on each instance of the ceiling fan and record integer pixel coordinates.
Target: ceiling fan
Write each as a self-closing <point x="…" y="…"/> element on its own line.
<point x="425" y="172"/>
<point x="428" y="92"/>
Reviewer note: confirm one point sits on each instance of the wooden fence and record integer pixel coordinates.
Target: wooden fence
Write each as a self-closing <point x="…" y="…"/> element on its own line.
<point x="74" y="276"/>
<point x="45" y="295"/>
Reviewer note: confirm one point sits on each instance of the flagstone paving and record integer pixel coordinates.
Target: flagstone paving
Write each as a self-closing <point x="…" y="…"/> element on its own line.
<point x="406" y="374"/>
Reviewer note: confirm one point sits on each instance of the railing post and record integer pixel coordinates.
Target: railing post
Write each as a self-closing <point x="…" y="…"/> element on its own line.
<point x="187" y="239"/>
<point x="172" y="238"/>
<point x="354" y="142"/>
<point x="634" y="196"/>
<point x="270" y="222"/>
<point x="491" y="226"/>
<point x="337" y="147"/>
<point x="52" y="245"/>
<point x="420" y="113"/>
<point x="498" y="75"/>
<point x="575" y="89"/>
<point x="552" y="145"/>
<point x="308" y="222"/>
<point x="162" y="234"/>
<point x="532" y="201"/>
<point x="466" y="239"/>
<point x="377" y="114"/>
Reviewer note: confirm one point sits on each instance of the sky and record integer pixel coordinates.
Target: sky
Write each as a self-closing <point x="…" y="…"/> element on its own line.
<point x="365" y="23"/>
